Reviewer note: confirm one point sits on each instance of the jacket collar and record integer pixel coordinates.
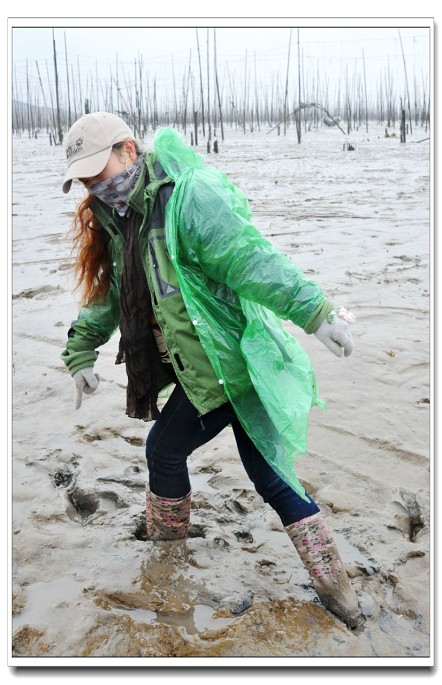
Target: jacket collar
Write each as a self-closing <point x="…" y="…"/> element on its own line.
<point x="136" y="197"/>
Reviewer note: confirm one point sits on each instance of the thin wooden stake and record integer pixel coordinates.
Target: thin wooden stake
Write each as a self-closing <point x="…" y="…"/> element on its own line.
<point x="57" y="98"/>
<point x="287" y="85"/>
<point x="201" y="85"/>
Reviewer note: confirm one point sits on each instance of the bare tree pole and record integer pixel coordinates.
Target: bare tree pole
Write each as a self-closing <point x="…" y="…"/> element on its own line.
<point x="217" y="85"/>
<point x="298" y="118"/>
<point x="74" y="96"/>
<point x="140" y="97"/>
<point x="54" y="125"/>
<point x="15" y="108"/>
<point x="79" y="86"/>
<point x="406" y="82"/>
<point x="233" y="106"/>
<point x="347" y="98"/>
<point x="174" y="92"/>
<point x="95" y="93"/>
<point x="304" y="98"/>
<point x="148" y="103"/>
<point x="365" y="88"/>
<point x="28" y="100"/>
<point x="117" y="83"/>
<point x="201" y="84"/>
<point x="60" y="130"/>
<point x="67" y="81"/>
<point x="416" y="108"/>
<point x="381" y="99"/>
<point x="49" y="124"/>
<point x="88" y="102"/>
<point x="424" y="116"/>
<point x="272" y="101"/>
<point x="155" y="105"/>
<point x="208" y="96"/>
<point x="287" y="85"/>
<point x="195" y="113"/>
<point x="186" y="92"/>
<point x="245" y="95"/>
<point x="110" y="91"/>
<point x="256" y="93"/>
<point x="403" y="125"/>
<point x="389" y="95"/>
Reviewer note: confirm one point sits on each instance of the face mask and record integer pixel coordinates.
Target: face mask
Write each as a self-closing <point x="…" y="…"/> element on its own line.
<point x="115" y="191"/>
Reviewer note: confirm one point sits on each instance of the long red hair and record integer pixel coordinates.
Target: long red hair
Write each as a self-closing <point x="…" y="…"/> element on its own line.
<point x="92" y="265"/>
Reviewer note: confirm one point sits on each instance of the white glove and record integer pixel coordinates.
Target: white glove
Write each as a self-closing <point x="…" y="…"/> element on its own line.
<point x="85" y="381"/>
<point x="334" y="332"/>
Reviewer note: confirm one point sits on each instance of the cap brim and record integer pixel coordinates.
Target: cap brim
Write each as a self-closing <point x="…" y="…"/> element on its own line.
<point x="86" y="167"/>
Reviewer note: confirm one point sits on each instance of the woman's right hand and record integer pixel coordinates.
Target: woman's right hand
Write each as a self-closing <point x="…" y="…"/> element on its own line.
<point x="85" y="381"/>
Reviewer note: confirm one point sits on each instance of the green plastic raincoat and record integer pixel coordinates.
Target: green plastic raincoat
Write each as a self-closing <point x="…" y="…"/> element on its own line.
<point x="236" y="287"/>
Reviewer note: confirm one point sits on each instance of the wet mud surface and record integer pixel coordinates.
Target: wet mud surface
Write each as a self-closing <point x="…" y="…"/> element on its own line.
<point x="86" y="582"/>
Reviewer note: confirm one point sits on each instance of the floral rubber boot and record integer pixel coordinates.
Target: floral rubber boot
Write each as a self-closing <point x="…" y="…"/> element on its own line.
<point x="314" y="543"/>
<point x="167" y="518"/>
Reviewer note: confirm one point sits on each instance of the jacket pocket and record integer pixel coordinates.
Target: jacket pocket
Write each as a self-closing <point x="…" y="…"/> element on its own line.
<point x="164" y="273"/>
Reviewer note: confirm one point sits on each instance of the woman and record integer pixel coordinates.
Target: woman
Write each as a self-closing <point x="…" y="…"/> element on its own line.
<point x="167" y="252"/>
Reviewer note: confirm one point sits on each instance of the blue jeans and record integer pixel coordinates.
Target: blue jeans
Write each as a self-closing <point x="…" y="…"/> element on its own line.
<point x="180" y="430"/>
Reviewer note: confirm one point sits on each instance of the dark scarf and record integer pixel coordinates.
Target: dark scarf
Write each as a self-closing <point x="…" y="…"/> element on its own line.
<point x="137" y="347"/>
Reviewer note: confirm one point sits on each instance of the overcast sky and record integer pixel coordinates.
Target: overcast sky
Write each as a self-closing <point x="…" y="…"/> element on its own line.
<point x="332" y="50"/>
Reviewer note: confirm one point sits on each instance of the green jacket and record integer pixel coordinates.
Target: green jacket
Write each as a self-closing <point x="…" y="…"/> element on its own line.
<point x="219" y="290"/>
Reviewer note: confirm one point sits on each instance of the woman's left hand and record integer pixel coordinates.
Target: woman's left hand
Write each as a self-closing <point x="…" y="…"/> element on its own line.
<point x="334" y="332"/>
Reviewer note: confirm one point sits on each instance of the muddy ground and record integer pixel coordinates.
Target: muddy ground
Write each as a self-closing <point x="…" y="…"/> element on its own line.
<point x="85" y="581"/>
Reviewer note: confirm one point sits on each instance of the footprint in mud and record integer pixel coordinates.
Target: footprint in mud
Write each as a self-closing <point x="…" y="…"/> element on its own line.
<point x="55" y="239"/>
<point x="408" y="515"/>
<point x="42" y="292"/>
<point x="241" y="502"/>
<point x="196" y="530"/>
<point x="62" y="479"/>
<point x="103" y="433"/>
<point x="82" y="505"/>
<point x="135" y="441"/>
<point x="140" y="530"/>
<point x="243" y="535"/>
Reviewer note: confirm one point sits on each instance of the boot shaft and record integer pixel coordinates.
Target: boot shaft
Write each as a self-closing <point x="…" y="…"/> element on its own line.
<point x="314" y="543"/>
<point x="167" y="518"/>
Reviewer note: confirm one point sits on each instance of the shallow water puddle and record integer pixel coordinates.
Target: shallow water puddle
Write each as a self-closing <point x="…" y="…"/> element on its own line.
<point x="275" y="538"/>
<point x="196" y="619"/>
<point x="46" y="601"/>
<point x="200" y="482"/>
<point x="351" y="554"/>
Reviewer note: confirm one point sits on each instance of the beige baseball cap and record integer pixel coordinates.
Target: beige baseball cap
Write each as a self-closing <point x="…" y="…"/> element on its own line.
<point x="89" y="144"/>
